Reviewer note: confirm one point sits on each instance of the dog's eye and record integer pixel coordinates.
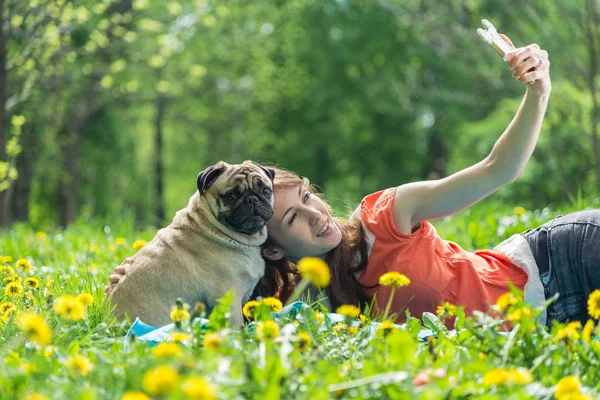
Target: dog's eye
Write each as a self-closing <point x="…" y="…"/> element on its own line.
<point x="230" y="197"/>
<point x="267" y="192"/>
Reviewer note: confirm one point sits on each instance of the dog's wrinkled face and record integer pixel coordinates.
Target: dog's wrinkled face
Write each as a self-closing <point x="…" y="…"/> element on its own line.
<point x="240" y="195"/>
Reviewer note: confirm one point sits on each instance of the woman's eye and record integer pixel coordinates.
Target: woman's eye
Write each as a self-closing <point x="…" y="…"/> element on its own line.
<point x="293" y="218"/>
<point x="267" y="192"/>
<point x="306" y="196"/>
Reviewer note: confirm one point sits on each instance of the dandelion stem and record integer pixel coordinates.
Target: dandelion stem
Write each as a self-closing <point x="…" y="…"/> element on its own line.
<point x="389" y="303"/>
<point x="298" y="291"/>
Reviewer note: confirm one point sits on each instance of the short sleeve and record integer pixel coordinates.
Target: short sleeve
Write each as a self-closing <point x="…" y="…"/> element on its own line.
<point x="376" y="215"/>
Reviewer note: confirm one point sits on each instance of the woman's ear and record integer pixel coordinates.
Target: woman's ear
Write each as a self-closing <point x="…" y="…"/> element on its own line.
<point x="272" y="253"/>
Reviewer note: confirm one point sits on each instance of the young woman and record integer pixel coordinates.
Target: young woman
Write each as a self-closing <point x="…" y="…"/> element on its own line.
<point x="390" y="232"/>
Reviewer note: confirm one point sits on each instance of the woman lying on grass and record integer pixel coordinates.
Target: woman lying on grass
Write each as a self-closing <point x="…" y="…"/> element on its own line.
<point x="390" y="232"/>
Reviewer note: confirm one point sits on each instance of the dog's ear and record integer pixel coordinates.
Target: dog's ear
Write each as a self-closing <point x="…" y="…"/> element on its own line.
<point x="209" y="176"/>
<point x="269" y="171"/>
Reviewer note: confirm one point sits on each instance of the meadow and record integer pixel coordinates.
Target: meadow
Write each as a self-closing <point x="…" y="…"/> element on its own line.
<point x="57" y="341"/>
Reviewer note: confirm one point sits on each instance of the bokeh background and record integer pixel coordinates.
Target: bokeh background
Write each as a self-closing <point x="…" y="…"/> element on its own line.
<point x="109" y="109"/>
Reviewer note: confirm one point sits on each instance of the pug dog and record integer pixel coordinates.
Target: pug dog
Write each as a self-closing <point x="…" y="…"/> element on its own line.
<point x="211" y="247"/>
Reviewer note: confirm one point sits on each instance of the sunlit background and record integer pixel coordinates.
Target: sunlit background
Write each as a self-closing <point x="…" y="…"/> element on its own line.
<point x="109" y="109"/>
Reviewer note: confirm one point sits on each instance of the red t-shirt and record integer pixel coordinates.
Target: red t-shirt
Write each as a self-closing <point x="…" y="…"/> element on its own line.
<point x="439" y="270"/>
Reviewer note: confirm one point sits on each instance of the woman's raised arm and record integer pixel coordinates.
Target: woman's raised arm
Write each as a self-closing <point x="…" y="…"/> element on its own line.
<point x="418" y="201"/>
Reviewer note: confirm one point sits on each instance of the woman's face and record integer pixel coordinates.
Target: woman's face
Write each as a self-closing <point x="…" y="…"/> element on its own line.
<point x="301" y="225"/>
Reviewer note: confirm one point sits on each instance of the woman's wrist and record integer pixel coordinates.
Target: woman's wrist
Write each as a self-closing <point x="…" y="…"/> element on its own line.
<point x="539" y="91"/>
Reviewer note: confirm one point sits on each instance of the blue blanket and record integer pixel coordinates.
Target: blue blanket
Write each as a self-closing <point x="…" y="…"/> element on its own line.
<point x="154" y="335"/>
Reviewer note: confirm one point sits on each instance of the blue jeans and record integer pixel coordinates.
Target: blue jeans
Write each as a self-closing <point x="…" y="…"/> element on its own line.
<point x="567" y="252"/>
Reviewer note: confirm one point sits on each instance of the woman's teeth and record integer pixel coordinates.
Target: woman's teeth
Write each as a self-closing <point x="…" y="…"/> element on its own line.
<point x="322" y="231"/>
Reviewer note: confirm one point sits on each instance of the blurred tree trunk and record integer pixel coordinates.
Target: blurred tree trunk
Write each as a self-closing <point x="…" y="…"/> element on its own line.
<point x="591" y="30"/>
<point x="70" y="137"/>
<point x="68" y="186"/>
<point x="4" y="195"/>
<point x="25" y="166"/>
<point x="161" y="105"/>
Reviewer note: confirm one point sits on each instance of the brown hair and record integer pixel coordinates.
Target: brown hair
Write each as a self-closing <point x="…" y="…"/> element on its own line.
<point x="348" y="258"/>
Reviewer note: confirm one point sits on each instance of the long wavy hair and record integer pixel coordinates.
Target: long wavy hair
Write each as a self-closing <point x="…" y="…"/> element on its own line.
<point x="344" y="261"/>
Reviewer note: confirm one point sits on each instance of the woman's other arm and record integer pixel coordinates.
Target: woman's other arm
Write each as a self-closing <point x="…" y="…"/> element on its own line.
<point x="418" y="201"/>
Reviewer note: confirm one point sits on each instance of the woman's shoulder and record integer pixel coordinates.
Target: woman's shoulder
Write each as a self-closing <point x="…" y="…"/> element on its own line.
<point x="376" y="214"/>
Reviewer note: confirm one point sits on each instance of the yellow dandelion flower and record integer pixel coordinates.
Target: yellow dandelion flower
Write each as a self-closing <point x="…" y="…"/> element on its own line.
<point x="138" y="244"/>
<point x="179" y="337"/>
<point x="197" y="388"/>
<point x="501" y="376"/>
<point x="160" y="380"/>
<point x="179" y="314"/>
<point x="571" y="331"/>
<point x="79" y="364"/>
<point x="7" y="270"/>
<point x="135" y="396"/>
<point x="586" y="335"/>
<point x="339" y="327"/>
<point x="362" y="318"/>
<point x="35" y="327"/>
<point x="496" y="376"/>
<point x="385" y="328"/>
<point x="304" y="341"/>
<point x="506" y="300"/>
<point x="518" y="314"/>
<point x="85" y="298"/>
<point x="352" y="330"/>
<point x="120" y="241"/>
<point x="32" y="283"/>
<point x="267" y="330"/>
<point x="70" y="308"/>
<point x="320" y="317"/>
<point x="212" y="341"/>
<point x="519" y="376"/>
<point x="36" y="396"/>
<point x="4" y="318"/>
<point x="24" y="265"/>
<point x="273" y="303"/>
<point x="315" y="270"/>
<point x="594" y="304"/>
<point x="519" y="210"/>
<point x="6" y="259"/>
<point x="446" y="309"/>
<point x="7" y="307"/>
<point x="249" y="308"/>
<point x="13" y="278"/>
<point x="348" y="311"/>
<point x="167" y="349"/>
<point x="394" y="279"/>
<point x="41" y="235"/>
<point x="567" y="386"/>
<point x="13" y="289"/>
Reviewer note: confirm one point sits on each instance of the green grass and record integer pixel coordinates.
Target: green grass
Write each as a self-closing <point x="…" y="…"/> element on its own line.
<point x="338" y="363"/>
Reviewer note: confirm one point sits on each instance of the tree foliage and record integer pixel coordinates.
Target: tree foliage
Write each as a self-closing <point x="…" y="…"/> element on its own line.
<point x="112" y="107"/>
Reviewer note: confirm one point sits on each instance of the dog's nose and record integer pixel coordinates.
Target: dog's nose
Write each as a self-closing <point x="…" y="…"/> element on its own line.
<point x="251" y="199"/>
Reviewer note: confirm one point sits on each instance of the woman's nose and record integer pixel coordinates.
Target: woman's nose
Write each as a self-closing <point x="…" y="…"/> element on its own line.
<point x="314" y="215"/>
